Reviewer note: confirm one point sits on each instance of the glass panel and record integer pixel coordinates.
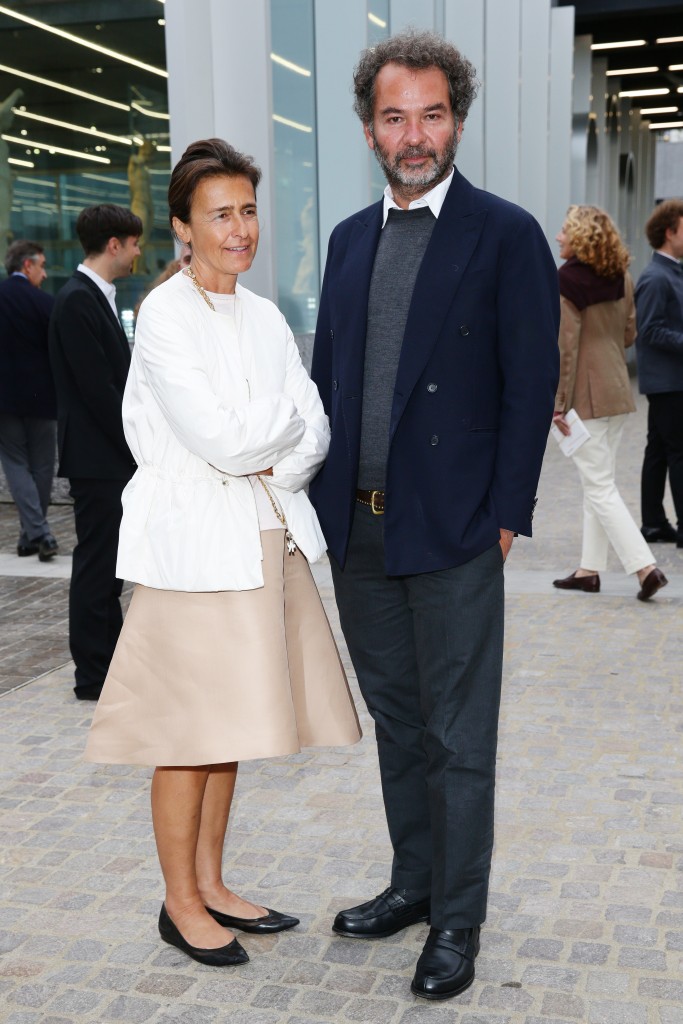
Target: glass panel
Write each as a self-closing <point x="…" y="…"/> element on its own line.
<point x="81" y="127"/>
<point x="294" y="129"/>
<point x="378" y="29"/>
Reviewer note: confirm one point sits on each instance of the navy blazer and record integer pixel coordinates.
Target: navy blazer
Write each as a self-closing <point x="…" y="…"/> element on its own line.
<point x="475" y="386"/>
<point x="26" y="386"/>
<point x="659" y="317"/>
<point x="90" y="358"/>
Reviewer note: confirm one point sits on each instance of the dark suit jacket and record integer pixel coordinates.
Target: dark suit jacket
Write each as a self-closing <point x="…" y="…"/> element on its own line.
<point x="90" y="358"/>
<point x="464" y="457"/>
<point x="26" y="387"/>
<point x="659" y="318"/>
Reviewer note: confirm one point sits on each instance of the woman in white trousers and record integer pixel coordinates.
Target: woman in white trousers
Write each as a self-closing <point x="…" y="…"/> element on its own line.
<point x="597" y="325"/>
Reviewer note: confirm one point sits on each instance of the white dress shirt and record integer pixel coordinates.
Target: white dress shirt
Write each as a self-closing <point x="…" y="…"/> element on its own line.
<point x="434" y="199"/>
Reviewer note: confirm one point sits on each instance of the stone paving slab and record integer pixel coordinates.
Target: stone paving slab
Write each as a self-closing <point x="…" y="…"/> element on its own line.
<point x="585" y="921"/>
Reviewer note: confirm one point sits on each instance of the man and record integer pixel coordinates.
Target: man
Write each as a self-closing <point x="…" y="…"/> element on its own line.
<point x="90" y="359"/>
<point x="659" y="352"/>
<point x="436" y="356"/>
<point x="27" y="396"/>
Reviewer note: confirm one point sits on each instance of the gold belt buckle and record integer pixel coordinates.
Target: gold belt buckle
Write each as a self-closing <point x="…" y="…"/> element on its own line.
<point x="375" y="511"/>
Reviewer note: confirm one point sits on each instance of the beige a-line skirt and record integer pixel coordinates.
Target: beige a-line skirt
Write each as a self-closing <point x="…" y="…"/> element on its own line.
<point x="208" y="678"/>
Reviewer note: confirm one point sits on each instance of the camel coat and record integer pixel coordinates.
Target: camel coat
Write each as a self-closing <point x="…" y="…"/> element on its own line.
<point x="593" y="373"/>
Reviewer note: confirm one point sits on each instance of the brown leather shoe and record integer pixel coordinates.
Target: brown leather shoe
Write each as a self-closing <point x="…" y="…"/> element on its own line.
<point x="589" y="584"/>
<point x="653" y="582"/>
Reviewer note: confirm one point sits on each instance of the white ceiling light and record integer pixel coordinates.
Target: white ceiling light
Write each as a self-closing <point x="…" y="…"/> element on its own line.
<point x="20" y="163"/>
<point x="665" y="124"/>
<point x="645" y="92"/>
<point x="675" y="67"/>
<point x="83" y="42"/>
<point x="292" y="124"/>
<point x="377" y="21"/>
<point x="670" y="39"/>
<point x="290" y="65"/>
<point x="72" y="127"/>
<point x="64" y="88"/>
<point x="101" y="177"/>
<point x="631" y="71"/>
<point x="56" y="149"/>
<point x="618" y="46"/>
<point x="149" y="113"/>
<point x="658" y="110"/>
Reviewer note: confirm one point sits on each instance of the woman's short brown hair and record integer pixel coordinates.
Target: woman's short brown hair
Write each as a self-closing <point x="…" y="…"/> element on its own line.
<point x="594" y="237"/>
<point x="208" y="158"/>
<point x="665" y="218"/>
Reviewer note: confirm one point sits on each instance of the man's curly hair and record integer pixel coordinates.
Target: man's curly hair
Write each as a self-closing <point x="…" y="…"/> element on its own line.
<point x="418" y="50"/>
<point x="594" y="237"/>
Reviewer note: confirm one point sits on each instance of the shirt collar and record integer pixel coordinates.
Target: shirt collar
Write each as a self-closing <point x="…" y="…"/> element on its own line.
<point x="434" y="199"/>
<point x="19" y="273"/>
<point x="668" y="256"/>
<point x="106" y="287"/>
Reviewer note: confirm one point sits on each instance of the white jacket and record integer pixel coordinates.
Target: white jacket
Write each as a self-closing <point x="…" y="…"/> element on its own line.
<point x="198" y="420"/>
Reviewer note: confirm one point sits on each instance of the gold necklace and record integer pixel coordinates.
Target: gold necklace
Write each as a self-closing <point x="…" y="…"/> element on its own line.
<point x="291" y="543"/>
<point x="193" y="277"/>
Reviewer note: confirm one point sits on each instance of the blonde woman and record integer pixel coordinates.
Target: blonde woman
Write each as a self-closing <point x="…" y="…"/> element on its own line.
<point x="597" y="324"/>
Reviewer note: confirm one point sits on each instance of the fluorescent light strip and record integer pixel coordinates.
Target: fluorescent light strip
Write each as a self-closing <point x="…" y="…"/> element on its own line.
<point x="618" y="46"/>
<point x="377" y="21"/>
<point x="83" y="42"/>
<point x="675" y="67"/>
<point x="56" y="149"/>
<point x="149" y="113"/>
<point x="19" y="163"/>
<point x="64" y="88"/>
<point x="670" y="39"/>
<point x="645" y="92"/>
<point x="290" y="65"/>
<point x="38" y="181"/>
<point x="163" y="149"/>
<point x="101" y="177"/>
<point x="631" y="71"/>
<point x="658" y="110"/>
<point x="666" y="124"/>
<point x="292" y="124"/>
<point x="72" y="127"/>
<point x="680" y="88"/>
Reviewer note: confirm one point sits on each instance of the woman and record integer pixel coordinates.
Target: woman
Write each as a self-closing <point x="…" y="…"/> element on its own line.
<point x="226" y="652"/>
<point x="597" y="323"/>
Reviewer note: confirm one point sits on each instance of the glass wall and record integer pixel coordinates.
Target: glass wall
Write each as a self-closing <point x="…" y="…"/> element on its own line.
<point x="294" y="128"/>
<point x="84" y="120"/>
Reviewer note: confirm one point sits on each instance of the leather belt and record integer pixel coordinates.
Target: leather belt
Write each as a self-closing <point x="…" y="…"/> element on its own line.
<point x="375" y="499"/>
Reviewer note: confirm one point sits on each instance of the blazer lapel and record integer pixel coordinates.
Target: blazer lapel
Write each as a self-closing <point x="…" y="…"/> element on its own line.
<point x="455" y="237"/>
<point x="104" y="303"/>
<point x="352" y="293"/>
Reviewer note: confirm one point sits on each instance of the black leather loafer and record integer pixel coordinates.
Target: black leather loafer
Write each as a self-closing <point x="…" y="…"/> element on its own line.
<point x="588" y="584"/>
<point x="662" y="534"/>
<point x="271" y="922"/>
<point x="446" y="966"/>
<point x="24" y="550"/>
<point x="225" y="956"/>
<point x="47" y="548"/>
<point x="390" y="912"/>
<point x="88" y="691"/>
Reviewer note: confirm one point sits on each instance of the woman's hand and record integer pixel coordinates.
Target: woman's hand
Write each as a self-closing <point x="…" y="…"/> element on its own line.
<point x="560" y="422"/>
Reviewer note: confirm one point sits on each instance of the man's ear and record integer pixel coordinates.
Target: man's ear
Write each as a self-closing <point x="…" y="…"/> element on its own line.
<point x="369" y="136"/>
<point x="459" y="130"/>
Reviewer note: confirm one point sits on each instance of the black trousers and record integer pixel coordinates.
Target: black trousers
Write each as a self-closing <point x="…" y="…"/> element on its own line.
<point x="95" y="616"/>
<point x="428" y="651"/>
<point x="663" y="452"/>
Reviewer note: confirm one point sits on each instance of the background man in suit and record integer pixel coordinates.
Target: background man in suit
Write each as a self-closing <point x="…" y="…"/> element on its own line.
<point x="659" y="351"/>
<point x="27" y="396"/>
<point x="436" y="357"/>
<point x="90" y="358"/>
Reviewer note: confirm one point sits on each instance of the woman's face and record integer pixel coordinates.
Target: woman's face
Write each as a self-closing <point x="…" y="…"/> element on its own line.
<point x="223" y="230"/>
<point x="565" y="247"/>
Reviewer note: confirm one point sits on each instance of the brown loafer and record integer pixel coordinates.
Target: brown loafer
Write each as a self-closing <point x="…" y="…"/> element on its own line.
<point x="589" y="584"/>
<point x="653" y="582"/>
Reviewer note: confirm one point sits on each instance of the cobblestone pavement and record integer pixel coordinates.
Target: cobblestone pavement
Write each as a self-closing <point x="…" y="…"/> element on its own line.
<point x="585" y="921"/>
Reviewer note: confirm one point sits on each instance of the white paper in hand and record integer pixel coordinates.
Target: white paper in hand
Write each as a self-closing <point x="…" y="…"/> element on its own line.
<point x="579" y="434"/>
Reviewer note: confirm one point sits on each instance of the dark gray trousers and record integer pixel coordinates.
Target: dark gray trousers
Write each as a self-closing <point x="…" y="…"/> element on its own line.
<point x="27" y="454"/>
<point x="428" y="651"/>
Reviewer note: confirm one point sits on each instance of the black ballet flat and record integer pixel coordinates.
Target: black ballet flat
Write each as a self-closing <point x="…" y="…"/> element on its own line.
<point x="271" y="922"/>
<point x="225" y="956"/>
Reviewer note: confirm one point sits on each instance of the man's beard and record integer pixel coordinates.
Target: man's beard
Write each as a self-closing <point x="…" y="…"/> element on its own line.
<point x="417" y="180"/>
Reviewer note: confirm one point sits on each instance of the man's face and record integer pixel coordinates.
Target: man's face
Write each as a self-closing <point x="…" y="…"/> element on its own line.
<point x="35" y="270"/>
<point x="414" y="134"/>
<point x="126" y="254"/>
<point x="675" y="240"/>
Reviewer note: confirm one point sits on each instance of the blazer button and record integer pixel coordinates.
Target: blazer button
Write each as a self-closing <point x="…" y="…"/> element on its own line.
<point x="464" y="330"/>
<point x="434" y="440"/>
<point x="431" y="388"/>
<point x="331" y="335"/>
<point x="335" y="385"/>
